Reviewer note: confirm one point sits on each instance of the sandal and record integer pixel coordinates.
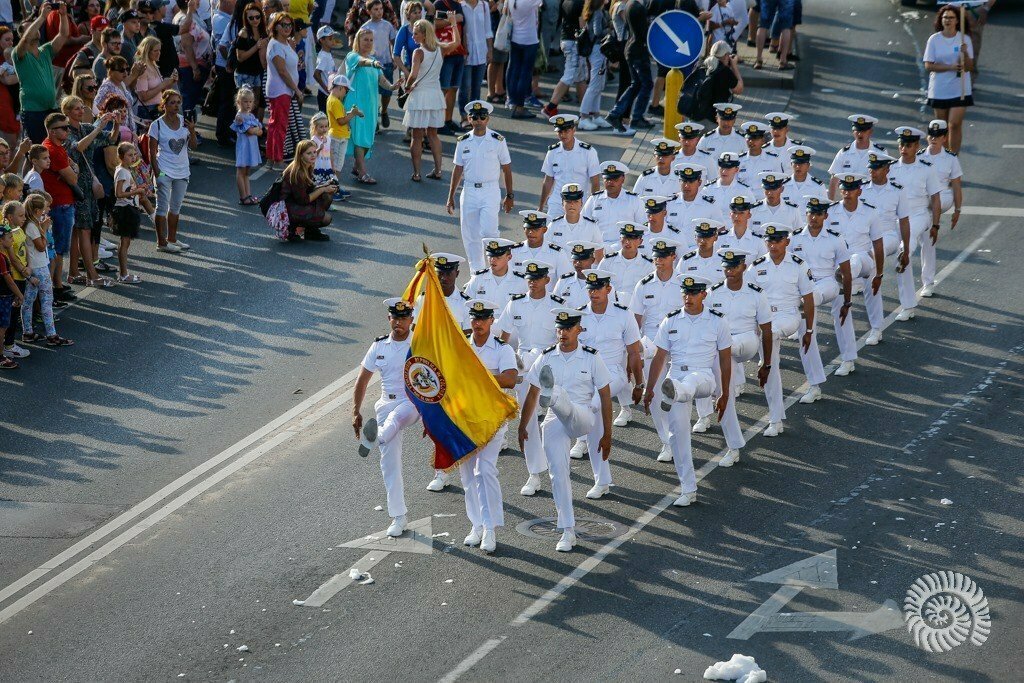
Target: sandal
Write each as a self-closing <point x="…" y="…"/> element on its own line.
<point x="786" y="67"/>
<point x="103" y="267"/>
<point x="759" y="65"/>
<point x="57" y="340"/>
<point x="251" y="200"/>
<point x="7" y="364"/>
<point x="434" y="175"/>
<point x="31" y="338"/>
<point x="417" y="178"/>
<point x="129" y="279"/>
<point x="101" y="282"/>
<point x="365" y="179"/>
<point x="78" y="280"/>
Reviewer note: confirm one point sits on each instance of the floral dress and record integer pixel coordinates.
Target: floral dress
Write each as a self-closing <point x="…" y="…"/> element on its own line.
<point x="87" y="210"/>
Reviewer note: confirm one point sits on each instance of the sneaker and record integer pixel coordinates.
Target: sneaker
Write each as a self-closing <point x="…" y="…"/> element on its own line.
<point x="531" y="486"/>
<point x="623" y="418"/>
<point x="16" y="351"/>
<point x="104" y="253"/>
<point x="685" y="500"/>
<point x="618" y="128"/>
<point x="731" y="457"/>
<point x="338" y="197"/>
<point x="668" y="394"/>
<point x="665" y="455"/>
<point x="641" y="124"/>
<point x="579" y="449"/>
<point x="874" y="336"/>
<point x="488" y="543"/>
<point x="64" y="294"/>
<point x="533" y="102"/>
<point x="601" y="122"/>
<point x="550" y="110"/>
<point x="597" y="491"/>
<point x="169" y="248"/>
<point x="57" y="305"/>
<point x="473" y="539"/>
<point x="181" y="245"/>
<point x="397" y="526"/>
<point x="107" y="244"/>
<point x="586" y="124"/>
<point x="928" y="290"/>
<point x="701" y="425"/>
<point x="368" y="439"/>
<point x="845" y="368"/>
<point x="439" y="481"/>
<point x="567" y="542"/>
<point x="547" y="384"/>
<point x="905" y="315"/>
<point x="774" y="429"/>
<point x="812" y="395"/>
<point x="523" y="114"/>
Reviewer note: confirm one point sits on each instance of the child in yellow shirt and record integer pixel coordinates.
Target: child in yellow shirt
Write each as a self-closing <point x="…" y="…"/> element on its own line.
<point x="338" y="120"/>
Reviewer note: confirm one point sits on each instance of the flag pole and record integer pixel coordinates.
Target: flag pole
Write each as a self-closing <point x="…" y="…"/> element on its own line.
<point x="963" y="50"/>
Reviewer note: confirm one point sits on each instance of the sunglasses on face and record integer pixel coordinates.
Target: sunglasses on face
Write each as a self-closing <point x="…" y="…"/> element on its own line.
<point x="253" y="17"/>
<point x="478" y="117"/>
<point x="64" y="127"/>
<point x="90" y="88"/>
<point x="284" y="24"/>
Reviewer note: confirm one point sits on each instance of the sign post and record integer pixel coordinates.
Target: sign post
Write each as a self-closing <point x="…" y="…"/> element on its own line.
<point x="675" y="40"/>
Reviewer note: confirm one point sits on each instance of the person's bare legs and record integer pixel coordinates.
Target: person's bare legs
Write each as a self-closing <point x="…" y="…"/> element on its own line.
<point x="359" y="161"/>
<point x="753" y="19"/>
<point x="122" y="256"/>
<point x="762" y="38"/>
<point x="73" y="256"/>
<point x="82" y="238"/>
<point x="160" y="225"/>
<point x="559" y="92"/>
<point x="955" y="118"/>
<point x="416" y="150"/>
<point x="449" y="103"/>
<point x="784" y="40"/>
<point x="172" y="227"/>
<point x="435" y="148"/>
<point x="659" y="88"/>
<point x="496" y="80"/>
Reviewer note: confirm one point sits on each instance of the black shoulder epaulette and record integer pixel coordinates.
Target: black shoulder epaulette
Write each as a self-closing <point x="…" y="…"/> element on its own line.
<point x="798" y="231"/>
<point x="771" y="154"/>
<point x="555" y="297"/>
<point x="742" y="183"/>
<point x="588" y="349"/>
<point x="481" y="271"/>
<point x="926" y="163"/>
<point x="743" y="154"/>
<point x="381" y="337"/>
<point x="952" y="154"/>
<point x="713" y="287"/>
<point x="790" y="203"/>
<point x="797" y="258"/>
<point x="620" y="306"/>
<point x="580" y="308"/>
<point x="517" y="297"/>
<point x="759" y="260"/>
<point x="676" y="230"/>
<point x="816" y="181"/>
<point x="704" y="151"/>
<point x="870" y="206"/>
<point x="464" y="296"/>
<point x="649" y="171"/>
<point x="895" y="184"/>
<point x="647" y="279"/>
<point x="555" y="145"/>
<point x="647" y="258"/>
<point x="497" y="136"/>
<point x="689" y="255"/>
<point x="710" y="132"/>
<point x="588" y="219"/>
<point x="757" y="235"/>
<point x="612" y="254"/>
<point x="551" y="348"/>
<point x="713" y="312"/>
<point x="673" y="313"/>
<point x="498" y="339"/>
<point x="584" y="145"/>
<point x="796" y="142"/>
<point x="555" y="246"/>
<point x="709" y="183"/>
<point x="597" y="193"/>
<point x="468" y="333"/>
<point x="876" y="145"/>
<point x="517" y="245"/>
<point x="630" y="193"/>
<point x="519" y="275"/>
<point x="847" y="148"/>
<point x="736" y="132"/>
<point x="832" y="232"/>
<point x="754" y="287"/>
<point x="567" y="275"/>
<point x="708" y="198"/>
<point x="463" y="137"/>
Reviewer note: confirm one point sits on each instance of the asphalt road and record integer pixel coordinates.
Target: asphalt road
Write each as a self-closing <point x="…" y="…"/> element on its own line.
<point x="220" y="343"/>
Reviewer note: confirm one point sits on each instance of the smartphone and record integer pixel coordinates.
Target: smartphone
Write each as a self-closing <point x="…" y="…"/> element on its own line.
<point x="190" y="116"/>
<point x="442" y="15"/>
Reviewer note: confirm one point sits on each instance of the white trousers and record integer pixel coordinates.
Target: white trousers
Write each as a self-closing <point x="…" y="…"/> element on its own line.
<point x="478" y="215"/>
<point x="826" y="290"/>
<point x="564" y="422"/>
<point x="480" y="482"/>
<point x="658" y="416"/>
<point x="696" y="385"/>
<point x="602" y="472"/>
<point x="862" y="269"/>
<point x="783" y="325"/>
<point x="533" y="449"/>
<point x="920" y="223"/>
<point x="876" y="313"/>
<point x="392" y="417"/>
<point x="744" y="347"/>
<point x="591" y="103"/>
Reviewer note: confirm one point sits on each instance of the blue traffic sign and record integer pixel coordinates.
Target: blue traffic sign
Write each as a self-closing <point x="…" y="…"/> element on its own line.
<point x="675" y="39"/>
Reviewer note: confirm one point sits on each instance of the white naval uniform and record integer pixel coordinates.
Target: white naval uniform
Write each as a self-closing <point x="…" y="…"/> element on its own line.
<point x="653" y="299"/>
<point x="699" y="157"/>
<point x="548" y="253"/>
<point x="577" y="165"/>
<point x="579" y="376"/>
<point x="890" y="204"/>
<point x="681" y="212"/>
<point x="573" y="289"/>
<point x="794" y="192"/>
<point x="685" y="239"/>
<point x="626" y="273"/>
<point x="651" y="182"/>
<point x="849" y="159"/>
<point x="693" y="264"/>
<point x="486" y="285"/>
<point x="692" y="343"/>
<point x="749" y="241"/>
<point x="860" y="228"/>
<point x="714" y="143"/>
<point x="784" y="284"/>
<point x="765" y="162"/>
<point x="822" y="255"/>
<point x="608" y="211"/>
<point x="947" y="169"/>
<point x="481" y="158"/>
<point x="480" y="475"/>
<point x="531" y="329"/>
<point x="787" y="213"/>
<point x="919" y="182"/>
<point x="394" y="413"/>
<point x="610" y="333"/>
<point x="723" y="194"/>
<point x="745" y="309"/>
<point x="561" y="232"/>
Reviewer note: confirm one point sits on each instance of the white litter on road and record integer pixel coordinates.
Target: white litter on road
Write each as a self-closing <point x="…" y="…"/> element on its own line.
<point x="398" y="565"/>
<point x="449" y="580"/>
<point x="379" y="508"/>
<point x="242" y="648"/>
<point x="441" y="514"/>
<point x="299" y="603"/>
<point x="946" y="501"/>
<point x="440" y="535"/>
<point x="362" y="577"/>
<point x="740" y="668"/>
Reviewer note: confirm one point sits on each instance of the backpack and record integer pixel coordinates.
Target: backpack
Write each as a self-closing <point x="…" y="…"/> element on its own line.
<point x="272" y="196"/>
<point x="695" y="99"/>
<point x="277" y="219"/>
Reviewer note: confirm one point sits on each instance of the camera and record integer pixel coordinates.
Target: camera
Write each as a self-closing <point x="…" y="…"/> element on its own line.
<point x="442" y="15"/>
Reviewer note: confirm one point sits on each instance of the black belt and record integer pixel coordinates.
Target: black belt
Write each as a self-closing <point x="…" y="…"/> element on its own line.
<point x="478" y="185"/>
<point x="391" y="397"/>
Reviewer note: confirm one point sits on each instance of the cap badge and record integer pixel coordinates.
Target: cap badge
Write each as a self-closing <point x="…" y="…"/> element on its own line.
<point x="689" y="282"/>
<point x="563" y="315"/>
<point x="401" y="306"/>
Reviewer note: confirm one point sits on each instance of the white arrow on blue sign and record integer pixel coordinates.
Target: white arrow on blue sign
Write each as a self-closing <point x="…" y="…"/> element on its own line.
<point x="675" y="39"/>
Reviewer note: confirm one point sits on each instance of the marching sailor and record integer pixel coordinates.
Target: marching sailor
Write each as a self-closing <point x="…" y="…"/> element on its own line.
<point x="659" y="179"/>
<point x="690" y="133"/>
<point x="567" y="161"/>
<point x="573" y="286"/>
<point x="854" y="157"/>
<point x="802" y="183"/>
<point x="572" y="225"/>
<point x="779" y="122"/>
<point x="703" y="261"/>
<point x="740" y="237"/>
<point x="724" y="138"/>
<point x="613" y="204"/>
<point x="689" y="203"/>
<point x="536" y="248"/>
<point x="658" y="227"/>
<point x="497" y="283"/>
<point x="727" y="184"/>
<point x="758" y="158"/>
<point x="774" y="209"/>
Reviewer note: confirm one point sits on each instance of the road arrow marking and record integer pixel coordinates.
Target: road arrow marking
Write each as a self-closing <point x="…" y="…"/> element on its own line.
<point x="819" y="571"/>
<point x="416" y="539"/>
<point x="682" y="47"/>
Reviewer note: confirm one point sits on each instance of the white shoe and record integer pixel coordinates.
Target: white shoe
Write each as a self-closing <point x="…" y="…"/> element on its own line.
<point x="874" y="336"/>
<point x="731" y="457"/>
<point x="794" y="336"/>
<point x="439" y="481"/>
<point x="578" y="450"/>
<point x="668" y="394"/>
<point x="597" y="490"/>
<point x="102" y="253"/>
<point x="739" y="390"/>
<point x="473" y="539"/>
<point x="531" y="486"/>
<point x="685" y="500"/>
<point x="567" y="541"/>
<point x="601" y="122"/>
<point x="928" y="290"/>
<point x="547" y="383"/>
<point x="845" y="368"/>
<point x="623" y="418"/>
<point x="17" y="352"/>
<point x="369" y="438"/>
<point x="774" y="429"/>
<point x="397" y="526"/>
<point x="487" y="541"/>
<point x="170" y="248"/>
<point x="905" y="315"/>
<point x="586" y="124"/>
<point x="181" y="245"/>
<point x="107" y="244"/>
<point x="701" y="425"/>
<point x="812" y="395"/>
<point x="665" y="455"/>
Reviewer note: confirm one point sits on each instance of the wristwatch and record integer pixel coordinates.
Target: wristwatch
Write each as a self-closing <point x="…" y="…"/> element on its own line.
<point x="510" y="195"/>
<point x="935" y="225"/>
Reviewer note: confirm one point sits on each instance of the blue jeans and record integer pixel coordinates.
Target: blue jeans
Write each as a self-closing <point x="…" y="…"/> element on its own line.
<point x="520" y="72"/>
<point x="638" y="94"/>
<point x="470" y="89"/>
<point x="777" y="16"/>
<point x="451" y="71"/>
<point x="191" y="89"/>
<point x="63" y="220"/>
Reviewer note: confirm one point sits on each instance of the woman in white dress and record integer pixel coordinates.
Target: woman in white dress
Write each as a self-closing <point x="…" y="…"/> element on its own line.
<point x="424" y="110"/>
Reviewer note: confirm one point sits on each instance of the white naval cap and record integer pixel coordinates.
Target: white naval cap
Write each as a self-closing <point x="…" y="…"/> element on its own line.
<point x="800" y="153"/>
<point x="772" y="178"/>
<point x="398" y="307"/>
<point x="630" y="229"/>
<point x="862" y="121"/>
<point x="535" y="270"/>
<point x="727" y="108"/>
<point x="481" y="308"/>
<point x="687" y="170"/>
<point x="937" y="127"/>
<point x="909" y="133"/>
<point x="707" y="226"/>
<point x="750" y="128"/>
<point x="733" y="257"/>
<point x="478" y="106"/>
<point x="497" y="246"/>
<point x="534" y="218"/>
<point x="445" y="261"/>
<point x="572" y="191"/>
<point x="741" y="201"/>
<point x="852" y="181"/>
<point x="581" y="249"/>
<point x="695" y="283"/>
<point x="613" y="168"/>
<point x="778" y="119"/>
<point x="562" y="121"/>
<point x="597" y="278"/>
<point x="654" y="203"/>
<point x="566" y="317"/>
<point x="879" y="160"/>
<point x="664" y="246"/>
<point x="665" y="147"/>
<point x="729" y="160"/>
<point x="690" y="129"/>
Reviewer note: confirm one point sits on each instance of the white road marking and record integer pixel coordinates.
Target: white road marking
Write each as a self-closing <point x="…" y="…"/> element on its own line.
<point x="1013" y="146"/>
<point x="340" y="582"/>
<point x="470" y="661"/>
<point x="999" y="211"/>
<point x="654" y="511"/>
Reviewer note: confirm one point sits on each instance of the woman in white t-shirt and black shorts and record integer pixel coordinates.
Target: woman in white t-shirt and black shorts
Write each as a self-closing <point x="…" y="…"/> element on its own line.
<point x="949" y="78"/>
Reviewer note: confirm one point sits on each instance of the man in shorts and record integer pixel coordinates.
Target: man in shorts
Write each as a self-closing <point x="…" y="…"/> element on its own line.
<point x="575" y="71"/>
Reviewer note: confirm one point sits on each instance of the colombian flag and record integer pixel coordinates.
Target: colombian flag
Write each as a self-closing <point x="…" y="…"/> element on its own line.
<point x="460" y="402"/>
